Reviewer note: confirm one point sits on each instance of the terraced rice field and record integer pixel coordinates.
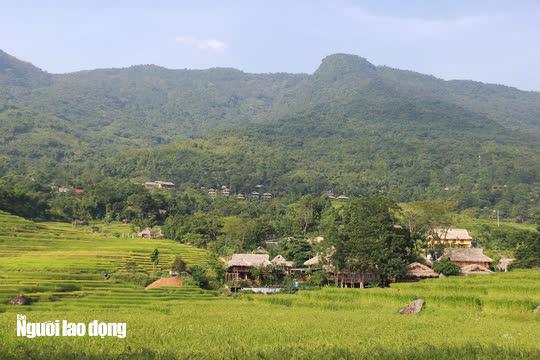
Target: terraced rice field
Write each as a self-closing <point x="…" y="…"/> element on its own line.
<point x="476" y="317"/>
<point x="58" y="265"/>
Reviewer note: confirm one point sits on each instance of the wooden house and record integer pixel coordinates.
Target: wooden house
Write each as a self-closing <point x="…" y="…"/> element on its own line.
<point x="267" y="196"/>
<point x="343" y="278"/>
<point x="450" y="237"/>
<point x="240" y="265"/>
<point x="165" y="184"/>
<point x="158" y="184"/>
<point x="467" y="256"/>
<point x="342" y="198"/>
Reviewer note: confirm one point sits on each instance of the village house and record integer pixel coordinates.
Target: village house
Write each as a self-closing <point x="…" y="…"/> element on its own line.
<point x="475" y="269"/>
<point x="255" y="195"/>
<point x="450" y="237"/>
<point x="281" y="261"/>
<point x="159" y="184"/>
<point x="225" y="191"/>
<point x="240" y="197"/>
<point x="343" y="278"/>
<point x="417" y="270"/>
<point x="212" y="192"/>
<point x="148" y="233"/>
<point x="342" y="198"/>
<point x="330" y="194"/>
<point x="267" y="196"/>
<point x="467" y="256"/>
<point x="240" y="265"/>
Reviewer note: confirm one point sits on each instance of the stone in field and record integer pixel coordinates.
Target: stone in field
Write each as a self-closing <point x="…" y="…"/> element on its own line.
<point x="413" y="308"/>
<point x="20" y="300"/>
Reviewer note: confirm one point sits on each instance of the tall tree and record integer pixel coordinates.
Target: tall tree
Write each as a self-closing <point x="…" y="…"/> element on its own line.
<point x="366" y="237"/>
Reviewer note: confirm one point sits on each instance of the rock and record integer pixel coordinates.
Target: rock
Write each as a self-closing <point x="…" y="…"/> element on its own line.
<point x="537" y="310"/>
<point x="442" y="276"/>
<point x="20" y="300"/>
<point x="413" y="308"/>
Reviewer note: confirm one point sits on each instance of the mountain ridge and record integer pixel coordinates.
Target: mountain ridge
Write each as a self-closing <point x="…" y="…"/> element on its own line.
<point x="350" y="126"/>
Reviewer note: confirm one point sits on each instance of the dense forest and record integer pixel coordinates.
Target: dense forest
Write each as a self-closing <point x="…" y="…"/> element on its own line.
<point x="351" y="127"/>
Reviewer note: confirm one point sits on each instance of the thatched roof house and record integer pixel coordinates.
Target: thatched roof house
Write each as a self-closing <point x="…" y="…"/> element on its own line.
<point x="260" y="250"/>
<point x="313" y="261"/>
<point x="281" y="261"/>
<point x="418" y="270"/>
<point x="165" y="282"/>
<point x="451" y="236"/>
<point x="475" y="269"/>
<point x="467" y="256"/>
<point x="148" y="233"/>
<point x="504" y="262"/>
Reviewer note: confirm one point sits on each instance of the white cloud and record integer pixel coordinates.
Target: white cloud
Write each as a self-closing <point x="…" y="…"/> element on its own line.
<point x="202" y="44"/>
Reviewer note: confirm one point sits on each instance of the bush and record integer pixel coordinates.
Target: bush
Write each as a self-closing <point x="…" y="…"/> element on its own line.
<point x="179" y="265"/>
<point x="445" y="267"/>
<point x="316" y="278"/>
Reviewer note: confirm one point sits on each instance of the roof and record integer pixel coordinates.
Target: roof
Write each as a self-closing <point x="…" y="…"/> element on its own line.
<point x="419" y="270"/>
<point x="250" y="260"/>
<point x="313" y="261"/>
<point x="475" y="269"/>
<point x="164" y="182"/>
<point x="466" y="255"/>
<point x="280" y="260"/>
<point x="452" y="234"/>
<point x="260" y="250"/>
<point x="164" y="282"/>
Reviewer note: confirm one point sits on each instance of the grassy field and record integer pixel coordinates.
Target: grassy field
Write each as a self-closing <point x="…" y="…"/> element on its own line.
<point x="484" y="317"/>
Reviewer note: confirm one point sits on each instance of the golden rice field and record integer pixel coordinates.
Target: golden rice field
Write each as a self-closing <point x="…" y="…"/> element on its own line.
<point x="60" y="267"/>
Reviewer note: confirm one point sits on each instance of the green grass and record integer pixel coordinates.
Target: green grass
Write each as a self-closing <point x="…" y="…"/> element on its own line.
<point x="60" y="267"/>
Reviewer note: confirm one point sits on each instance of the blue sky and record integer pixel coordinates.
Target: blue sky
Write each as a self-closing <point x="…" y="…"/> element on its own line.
<point x="490" y="41"/>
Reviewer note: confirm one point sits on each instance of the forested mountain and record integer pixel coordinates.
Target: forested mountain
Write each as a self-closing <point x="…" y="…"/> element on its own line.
<point x="350" y="126"/>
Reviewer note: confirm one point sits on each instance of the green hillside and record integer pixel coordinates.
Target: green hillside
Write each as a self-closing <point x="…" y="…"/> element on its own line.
<point x="351" y="127"/>
<point x="49" y="261"/>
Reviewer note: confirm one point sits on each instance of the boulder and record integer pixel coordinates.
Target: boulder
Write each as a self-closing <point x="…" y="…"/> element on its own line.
<point x="20" y="300"/>
<point x="413" y="308"/>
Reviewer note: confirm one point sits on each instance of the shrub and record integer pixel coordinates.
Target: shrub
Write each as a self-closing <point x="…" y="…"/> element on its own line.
<point x="179" y="265"/>
<point x="445" y="267"/>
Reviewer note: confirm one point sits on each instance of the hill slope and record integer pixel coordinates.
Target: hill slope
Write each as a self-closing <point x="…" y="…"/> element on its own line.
<point x="351" y="126"/>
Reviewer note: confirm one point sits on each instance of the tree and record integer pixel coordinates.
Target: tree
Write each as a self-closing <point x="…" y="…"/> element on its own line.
<point x="296" y="249"/>
<point x="179" y="265"/>
<point x="528" y="251"/>
<point x="445" y="267"/>
<point x="365" y="237"/>
<point x="154" y="257"/>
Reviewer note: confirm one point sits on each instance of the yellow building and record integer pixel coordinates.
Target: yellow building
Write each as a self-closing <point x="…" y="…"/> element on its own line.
<point x="450" y="238"/>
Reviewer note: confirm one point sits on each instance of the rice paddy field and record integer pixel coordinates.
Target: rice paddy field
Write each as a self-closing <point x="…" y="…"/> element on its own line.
<point x="61" y="268"/>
